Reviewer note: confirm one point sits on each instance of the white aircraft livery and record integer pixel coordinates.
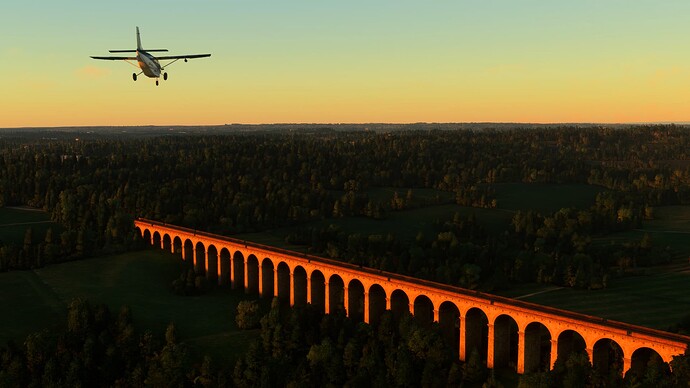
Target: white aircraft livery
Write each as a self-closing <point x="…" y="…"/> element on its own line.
<point x="149" y="65"/>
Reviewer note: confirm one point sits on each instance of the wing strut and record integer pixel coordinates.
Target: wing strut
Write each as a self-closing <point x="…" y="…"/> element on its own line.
<point x="170" y="63"/>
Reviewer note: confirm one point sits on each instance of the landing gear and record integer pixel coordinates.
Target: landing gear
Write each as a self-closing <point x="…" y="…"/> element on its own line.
<point x="156" y="82"/>
<point x="134" y="76"/>
<point x="165" y="76"/>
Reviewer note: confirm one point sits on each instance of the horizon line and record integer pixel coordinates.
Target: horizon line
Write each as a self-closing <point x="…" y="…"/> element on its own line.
<point x="682" y="123"/>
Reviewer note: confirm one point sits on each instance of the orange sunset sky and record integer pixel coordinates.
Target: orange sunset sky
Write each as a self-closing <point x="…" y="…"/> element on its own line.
<point x="348" y="62"/>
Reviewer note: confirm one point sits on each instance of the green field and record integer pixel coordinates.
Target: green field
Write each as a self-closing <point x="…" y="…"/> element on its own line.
<point x="27" y="305"/>
<point x="669" y="228"/>
<point x="10" y="215"/>
<point x="33" y="300"/>
<point x="406" y="224"/>
<point x="658" y="300"/>
<point x="15" y="221"/>
<point x="544" y="197"/>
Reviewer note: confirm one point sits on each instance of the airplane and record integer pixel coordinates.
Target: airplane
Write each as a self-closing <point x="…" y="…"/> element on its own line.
<point x="149" y="65"/>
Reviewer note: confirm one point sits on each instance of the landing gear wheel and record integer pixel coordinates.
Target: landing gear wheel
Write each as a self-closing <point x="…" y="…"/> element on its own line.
<point x="134" y="76"/>
<point x="156" y="82"/>
<point x="165" y="76"/>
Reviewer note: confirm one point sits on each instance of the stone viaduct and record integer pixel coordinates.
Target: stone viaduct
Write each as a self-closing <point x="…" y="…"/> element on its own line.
<point x="505" y="332"/>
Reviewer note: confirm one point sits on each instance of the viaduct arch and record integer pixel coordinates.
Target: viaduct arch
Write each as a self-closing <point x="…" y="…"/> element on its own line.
<point x="503" y="331"/>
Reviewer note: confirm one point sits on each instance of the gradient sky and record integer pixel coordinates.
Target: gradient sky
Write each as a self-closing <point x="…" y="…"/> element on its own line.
<point x="347" y="61"/>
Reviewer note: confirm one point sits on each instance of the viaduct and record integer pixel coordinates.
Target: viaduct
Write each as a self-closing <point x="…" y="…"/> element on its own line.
<point x="505" y="332"/>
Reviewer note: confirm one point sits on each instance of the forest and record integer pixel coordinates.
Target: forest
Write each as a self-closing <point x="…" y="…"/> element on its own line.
<point x="94" y="183"/>
<point x="253" y="181"/>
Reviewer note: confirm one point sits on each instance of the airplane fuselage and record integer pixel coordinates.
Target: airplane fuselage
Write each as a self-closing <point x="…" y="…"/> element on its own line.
<point x="148" y="64"/>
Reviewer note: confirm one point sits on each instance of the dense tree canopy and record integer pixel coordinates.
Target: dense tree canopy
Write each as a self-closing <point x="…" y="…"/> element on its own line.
<point x="236" y="182"/>
<point x="306" y="348"/>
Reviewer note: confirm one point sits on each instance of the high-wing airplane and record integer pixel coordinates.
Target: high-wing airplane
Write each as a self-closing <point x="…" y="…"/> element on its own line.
<point x="149" y="65"/>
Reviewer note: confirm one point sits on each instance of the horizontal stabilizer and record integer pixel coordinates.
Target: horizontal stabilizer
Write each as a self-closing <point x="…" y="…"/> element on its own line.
<point x="116" y="58"/>
<point x="133" y="51"/>
<point x="191" y="56"/>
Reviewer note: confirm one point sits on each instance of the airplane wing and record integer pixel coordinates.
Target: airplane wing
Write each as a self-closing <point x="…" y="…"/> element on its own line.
<point x="192" y="56"/>
<point x="116" y="58"/>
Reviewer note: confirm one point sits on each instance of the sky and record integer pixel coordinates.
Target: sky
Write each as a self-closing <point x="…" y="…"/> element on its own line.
<point x="355" y="61"/>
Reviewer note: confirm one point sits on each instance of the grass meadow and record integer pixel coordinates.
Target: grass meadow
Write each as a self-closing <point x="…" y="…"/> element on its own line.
<point x="406" y="224"/>
<point x="545" y="197"/>
<point x="670" y="227"/>
<point x="15" y="221"/>
<point x="658" y="300"/>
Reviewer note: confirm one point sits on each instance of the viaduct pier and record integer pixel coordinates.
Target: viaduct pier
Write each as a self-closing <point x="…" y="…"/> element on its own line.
<point x="505" y="332"/>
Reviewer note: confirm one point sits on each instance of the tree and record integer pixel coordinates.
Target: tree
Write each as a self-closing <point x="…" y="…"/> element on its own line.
<point x="49" y="246"/>
<point x="28" y="249"/>
<point x="474" y="369"/>
<point x="79" y="316"/>
<point x="574" y="372"/>
<point x="681" y="370"/>
<point x="535" y="380"/>
<point x="324" y="361"/>
<point x="247" y="316"/>
<point x="168" y="367"/>
<point x="37" y="352"/>
<point x="171" y="334"/>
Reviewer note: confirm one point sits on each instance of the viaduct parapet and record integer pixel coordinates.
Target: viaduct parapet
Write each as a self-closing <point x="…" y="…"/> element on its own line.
<point x="504" y="332"/>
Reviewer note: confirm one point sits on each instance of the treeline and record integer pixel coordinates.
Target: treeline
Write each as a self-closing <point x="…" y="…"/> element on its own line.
<point x="101" y="349"/>
<point x="37" y="251"/>
<point x="71" y="244"/>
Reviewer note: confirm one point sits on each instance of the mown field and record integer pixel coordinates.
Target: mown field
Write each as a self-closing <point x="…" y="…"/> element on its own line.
<point x="670" y="227"/>
<point x="658" y="300"/>
<point x="544" y="197"/>
<point x="15" y="221"/>
<point x="406" y="224"/>
<point x="34" y="300"/>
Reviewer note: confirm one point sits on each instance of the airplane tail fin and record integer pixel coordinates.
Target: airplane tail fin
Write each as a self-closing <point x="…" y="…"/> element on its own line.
<point x="138" y="40"/>
<point x="139" y="48"/>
